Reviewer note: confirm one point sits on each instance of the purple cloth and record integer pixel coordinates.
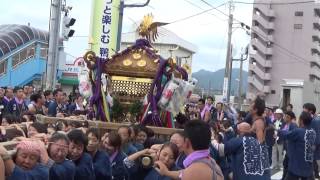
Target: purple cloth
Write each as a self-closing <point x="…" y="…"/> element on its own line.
<point x="18" y="101"/>
<point x="205" y="109"/>
<point x="7" y="99"/>
<point x="195" y="156"/>
<point x="113" y="156"/>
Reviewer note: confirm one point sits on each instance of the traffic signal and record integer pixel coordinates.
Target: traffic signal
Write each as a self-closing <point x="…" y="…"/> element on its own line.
<point x="66" y="31"/>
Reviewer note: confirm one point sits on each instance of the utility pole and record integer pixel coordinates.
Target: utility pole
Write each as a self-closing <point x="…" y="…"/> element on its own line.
<point x="230" y="74"/>
<point x="242" y="59"/>
<point x="54" y="32"/>
<point x="121" y="9"/>
<point x="240" y="80"/>
<point x="226" y="92"/>
<point x="209" y="90"/>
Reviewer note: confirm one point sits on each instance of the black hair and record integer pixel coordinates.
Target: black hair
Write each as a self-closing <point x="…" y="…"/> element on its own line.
<point x="55" y="92"/>
<point x="47" y="93"/>
<point x="16" y="119"/>
<point x="305" y="118"/>
<point x="58" y="136"/>
<point x="74" y="124"/>
<point x="135" y="128"/>
<point x="181" y="118"/>
<point x="95" y="132"/>
<point x="58" y="126"/>
<point x="291" y="114"/>
<point x="41" y="128"/>
<point x="210" y="97"/>
<point x="173" y="147"/>
<point x="220" y="104"/>
<point x="214" y="125"/>
<point x="242" y="114"/>
<point x="30" y="115"/>
<point x="85" y="124"/>
<point x="17" y="88"/>
<point x="150" y="133"/>
<point x="142" y="128"/>
<point x="202" y="100"/>
<point x="259" y="105"/>
<point x="78" y="96"/>
<point x="199" y="134"/>
<point x="35" y="97"/>
<point x="310" y="107"/>
<point x="290" y="105"/>
<point x="8" y="88"/>
<point x="180" y="133"/>
<point x="227" y="123"/>
<point x="78" y="137"/>
<point x="126" y="127"/>
<point x="114" y="139"/>
<point x="53" y="126"/>
<point x="10" y="118"/>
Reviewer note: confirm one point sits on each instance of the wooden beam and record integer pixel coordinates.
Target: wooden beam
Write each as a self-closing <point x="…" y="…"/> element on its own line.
<point x="105" y="125"/>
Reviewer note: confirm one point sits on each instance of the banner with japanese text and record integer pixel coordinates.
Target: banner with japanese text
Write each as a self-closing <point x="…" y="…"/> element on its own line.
<point x="104" y="27"/>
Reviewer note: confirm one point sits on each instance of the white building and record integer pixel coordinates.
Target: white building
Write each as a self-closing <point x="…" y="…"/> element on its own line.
<point x="285" y="65"/>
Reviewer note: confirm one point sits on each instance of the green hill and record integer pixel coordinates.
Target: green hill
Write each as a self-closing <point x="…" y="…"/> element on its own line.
<point x="214" y="80"/>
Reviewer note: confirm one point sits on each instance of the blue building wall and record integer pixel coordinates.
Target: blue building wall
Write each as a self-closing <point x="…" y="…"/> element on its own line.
<point x="24" y="73"/>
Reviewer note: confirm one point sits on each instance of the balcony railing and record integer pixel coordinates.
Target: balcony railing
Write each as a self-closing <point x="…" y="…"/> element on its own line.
<point x="262" y="61"/>
<point x="256" y="83"/>
<point x="261" y="47"/>
<point x="263" y="75"/>
<point x="263" y="22"/>
<point x="259" y="32"/>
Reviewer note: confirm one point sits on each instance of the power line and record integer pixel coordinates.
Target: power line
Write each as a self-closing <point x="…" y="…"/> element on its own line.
<point x="290" y="53"/>
<point x="206" y="3"/>
<point x="70" y="55"/>
<point x="296" y="57"/>
<point x="195" y="5"/>
<point x="274" y="3"/>
<point x="218" y="9"/>
<point x="197" y="14"/>
<point x="188" y="17"/>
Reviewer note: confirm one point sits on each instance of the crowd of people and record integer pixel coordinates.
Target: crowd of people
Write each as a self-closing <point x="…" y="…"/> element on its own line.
<point x="21" y="103"/>
<point x="215" y="141"/>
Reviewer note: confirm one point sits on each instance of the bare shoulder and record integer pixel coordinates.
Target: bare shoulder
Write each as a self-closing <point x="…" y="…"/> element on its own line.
<point x="259" y="123"/>
<point x="197" y="171"/>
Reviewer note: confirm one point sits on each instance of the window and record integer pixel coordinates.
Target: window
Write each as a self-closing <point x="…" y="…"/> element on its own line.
<point x="3" y="67"/>
<point x="44" y="51"/>
<point x="15" y="60"/>
<point x="179" y="59"/>
<point x="297" y="26"/>
<point x="298" y="13"/>
<point x="317" y="12"/>
<point x="23" y="55"/>
<point x="273" y="91"/>
<point x="31" y="51"/>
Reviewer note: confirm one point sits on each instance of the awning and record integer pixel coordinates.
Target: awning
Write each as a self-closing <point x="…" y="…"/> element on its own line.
<point x="69" y="81"/>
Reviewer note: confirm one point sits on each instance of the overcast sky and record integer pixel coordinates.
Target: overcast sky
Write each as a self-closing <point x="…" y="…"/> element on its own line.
<point x="207" y="31"/>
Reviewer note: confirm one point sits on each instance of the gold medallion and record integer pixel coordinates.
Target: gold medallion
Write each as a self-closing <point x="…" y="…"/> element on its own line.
<point x="142" y="63"/>
<point x="127" y="62"/>
<point x="136" y="56"/>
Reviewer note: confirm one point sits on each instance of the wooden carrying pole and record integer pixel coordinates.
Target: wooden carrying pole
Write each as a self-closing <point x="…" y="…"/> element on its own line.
<point x="104" y="125"/>
<point x="10" y="145"/>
